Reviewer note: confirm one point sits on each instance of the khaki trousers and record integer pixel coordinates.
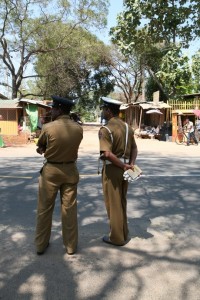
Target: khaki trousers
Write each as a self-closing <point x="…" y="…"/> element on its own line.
<point x="115" y="190"/>
<point x="54" y="178"/>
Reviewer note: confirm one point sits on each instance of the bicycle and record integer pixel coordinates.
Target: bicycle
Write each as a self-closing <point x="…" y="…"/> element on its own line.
<point x="181" y="138"/>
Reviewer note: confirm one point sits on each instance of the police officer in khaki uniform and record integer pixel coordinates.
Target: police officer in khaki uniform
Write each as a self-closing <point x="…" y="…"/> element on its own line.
<point x="118" y="156"/>
<point x="59" y="141"/>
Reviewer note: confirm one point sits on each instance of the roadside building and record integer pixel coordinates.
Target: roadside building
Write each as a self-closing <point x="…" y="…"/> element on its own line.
<point x="150" y="119"/>
<point x="189" y="107"/>
<point x="20" y="119"/>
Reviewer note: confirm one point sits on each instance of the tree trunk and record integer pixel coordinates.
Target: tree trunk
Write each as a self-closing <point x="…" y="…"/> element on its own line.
<point x="14" y="88"/>
<point x="152" y="74"/>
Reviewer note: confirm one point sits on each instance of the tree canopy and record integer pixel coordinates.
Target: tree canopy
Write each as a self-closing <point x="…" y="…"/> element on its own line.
<point x="196" y="70"/>
<point x="78" y="71"/>
<point x="155" y="32"/>
<point x="168" y="21"/>
<point x="25" y="27"/>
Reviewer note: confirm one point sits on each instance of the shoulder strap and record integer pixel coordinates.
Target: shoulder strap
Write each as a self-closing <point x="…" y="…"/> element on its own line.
<point x="111" y="136"/>
<point x="126" y="141"/>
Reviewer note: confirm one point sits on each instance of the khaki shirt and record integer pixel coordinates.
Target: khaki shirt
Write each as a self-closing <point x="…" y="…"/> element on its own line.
<point x="118" y="130"/>
<point x="61" y="138"/>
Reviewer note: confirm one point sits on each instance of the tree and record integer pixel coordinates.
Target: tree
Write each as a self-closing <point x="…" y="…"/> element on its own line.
<point x="174" y="74"/>
<point x="127" y="74"/>
<point x="151" y="29"/>
<point x="25" y="22"/>
<point x="196" y="71"/>
<point x="169" y="21"/>
<point x="78" y="71"/>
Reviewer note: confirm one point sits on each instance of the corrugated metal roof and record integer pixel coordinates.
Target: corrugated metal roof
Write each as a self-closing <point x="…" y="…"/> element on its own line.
<point x="9" y="104"/>
<point x="146" y="105"/>
<point x="154" y="105"/>
<point x="2" y="96"/>
<point x="35" y="102"/>
<point x="191" y="95"/>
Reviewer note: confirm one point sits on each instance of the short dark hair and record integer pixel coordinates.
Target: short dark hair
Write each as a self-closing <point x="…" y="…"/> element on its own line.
<point x="114" y="108"/>
<point x="65" y="109"/>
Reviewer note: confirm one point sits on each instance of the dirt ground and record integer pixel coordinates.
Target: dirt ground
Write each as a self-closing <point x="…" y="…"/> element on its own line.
<point x="161" y="262"/>
<point x="90" y="145"/>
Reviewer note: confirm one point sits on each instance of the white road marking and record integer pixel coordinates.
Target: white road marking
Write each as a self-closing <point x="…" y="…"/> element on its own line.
<point x="17" y="177"/>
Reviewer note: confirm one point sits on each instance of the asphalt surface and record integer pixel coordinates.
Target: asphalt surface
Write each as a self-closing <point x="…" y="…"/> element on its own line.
<point x="160" y="262"/>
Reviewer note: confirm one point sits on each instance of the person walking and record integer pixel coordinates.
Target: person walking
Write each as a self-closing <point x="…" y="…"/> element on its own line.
<point x="59" y="141"/>
<point x="118" y="151"/>
<point x="189" y="127"/>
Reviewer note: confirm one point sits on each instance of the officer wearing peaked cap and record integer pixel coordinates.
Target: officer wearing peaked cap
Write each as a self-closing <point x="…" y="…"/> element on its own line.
<point x="109" y="102"/>
<point x="118" y="151"/>
<point x="60" y="101"/>
<point x="59" y="142"/>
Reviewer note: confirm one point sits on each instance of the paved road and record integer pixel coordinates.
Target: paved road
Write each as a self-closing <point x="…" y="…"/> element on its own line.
<point x="160" y="262"/>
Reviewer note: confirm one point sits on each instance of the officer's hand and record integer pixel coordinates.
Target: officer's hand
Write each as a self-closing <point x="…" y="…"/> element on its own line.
<point x="127" y="167"/>
<point x="40" y="150"/>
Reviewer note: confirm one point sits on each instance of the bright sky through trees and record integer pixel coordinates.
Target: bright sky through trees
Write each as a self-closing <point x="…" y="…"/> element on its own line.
<point x="116" y="6"/>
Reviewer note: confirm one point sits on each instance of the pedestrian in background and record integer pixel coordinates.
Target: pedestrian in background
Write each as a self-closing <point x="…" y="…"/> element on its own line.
<point x="59" y="141"/>
<point x="118" y="151"/>
<point x="189" y="127"/>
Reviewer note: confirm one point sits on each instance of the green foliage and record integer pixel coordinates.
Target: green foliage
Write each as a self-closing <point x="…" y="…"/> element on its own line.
<point x="151" y="87"/>
<point x="175" y="73"/>
<point x="196" y="71"/>
<point x="26" y="30"/>
<point x="162" y="21"/>
<point x="85" y="114"/>
<point x="78" y="71"/>
<point x="154" y="31"/>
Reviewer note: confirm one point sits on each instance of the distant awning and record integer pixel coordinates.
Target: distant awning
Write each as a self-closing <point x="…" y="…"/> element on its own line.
<point x="125" y="106"/>
<point x="154" y="111"/>
<point x="152" y="105"/>
<point x="183" y="111"/>
<point x="3" y="97"/>
<point x="196" y="112"/>
<point x="145" y="105"/>
<point x="191" y="95"/>
<point x="9" y="104"/>
<point x="35" y="102"/>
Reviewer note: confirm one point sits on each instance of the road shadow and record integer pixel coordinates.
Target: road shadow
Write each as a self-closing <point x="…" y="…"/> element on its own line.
<point x="163" y="216"/>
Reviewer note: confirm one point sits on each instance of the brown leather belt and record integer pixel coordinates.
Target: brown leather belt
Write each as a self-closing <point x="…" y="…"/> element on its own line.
<point x="124" y="160"/>
<point x="59" y="163"/>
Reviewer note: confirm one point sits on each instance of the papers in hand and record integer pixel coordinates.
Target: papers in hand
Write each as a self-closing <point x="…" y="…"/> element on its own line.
<point x="132" y="174"/>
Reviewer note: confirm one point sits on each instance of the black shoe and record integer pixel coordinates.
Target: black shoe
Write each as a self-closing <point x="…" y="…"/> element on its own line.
<point x="42" y="252"/>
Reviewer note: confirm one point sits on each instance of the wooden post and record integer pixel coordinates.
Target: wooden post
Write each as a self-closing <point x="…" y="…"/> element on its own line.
<point x="140" y="118"/>
<point x="174" y="126"/>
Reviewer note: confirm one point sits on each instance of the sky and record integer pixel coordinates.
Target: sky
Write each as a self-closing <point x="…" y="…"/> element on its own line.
<point x="116" y="6"/>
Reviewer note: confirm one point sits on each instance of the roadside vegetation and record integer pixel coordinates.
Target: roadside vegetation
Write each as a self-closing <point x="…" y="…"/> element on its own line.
<point x="51" y="47"/>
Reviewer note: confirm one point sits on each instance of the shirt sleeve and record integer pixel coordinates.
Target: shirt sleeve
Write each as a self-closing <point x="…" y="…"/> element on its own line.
<point x="133" y="142"/>
<point x="42" y="141"/>
<point x="105" y="142"/>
